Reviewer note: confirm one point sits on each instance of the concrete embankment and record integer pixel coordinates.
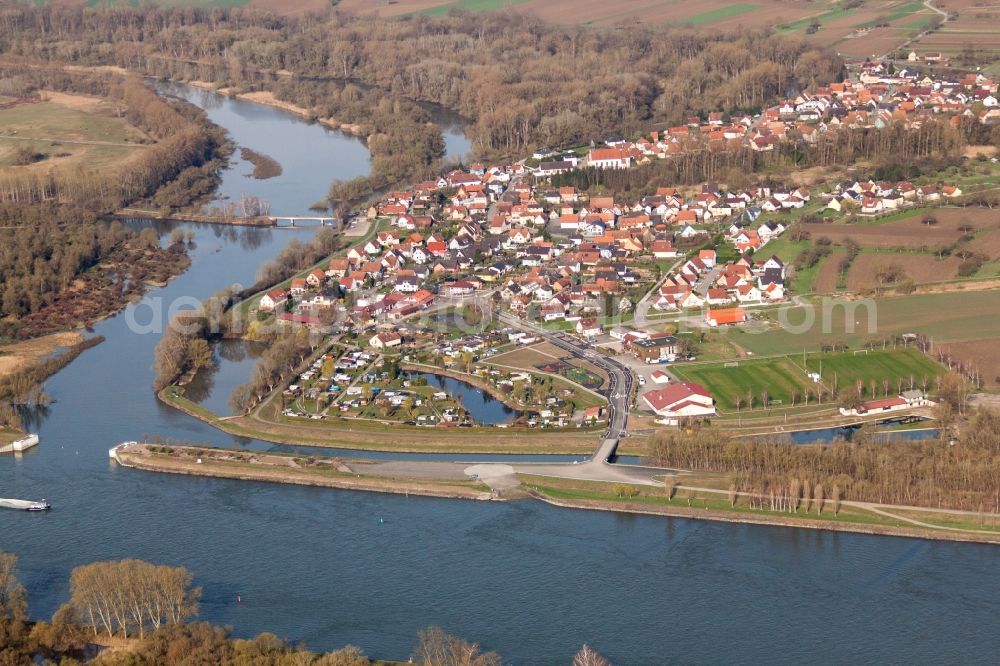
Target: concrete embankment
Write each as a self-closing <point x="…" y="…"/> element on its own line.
<point x="221" y="464"/>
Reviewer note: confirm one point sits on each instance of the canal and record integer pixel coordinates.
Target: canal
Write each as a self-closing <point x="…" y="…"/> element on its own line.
<point x="531" y="581"/>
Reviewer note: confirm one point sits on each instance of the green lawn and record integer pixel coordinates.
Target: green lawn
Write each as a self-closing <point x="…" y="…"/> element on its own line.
<point x="847" y="368"/>
<point x="67" y="138"/>
<point x="720" y="14"/>
<point x="785" y="248"/>
<point x="782" y="375"/>
<point x="778" y="376"/>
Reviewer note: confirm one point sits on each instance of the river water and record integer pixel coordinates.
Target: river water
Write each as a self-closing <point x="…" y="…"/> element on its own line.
<point x="528" y="580"/>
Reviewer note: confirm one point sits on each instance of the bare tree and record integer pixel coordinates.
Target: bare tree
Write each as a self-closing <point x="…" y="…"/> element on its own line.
<point x="13" y="600"/>
<point x="818" y="494"/>
<point x="436" y="648"/>
<point x="587" y="656"/>
<point x="795" y="489"/>
<point x="131" y="596"/>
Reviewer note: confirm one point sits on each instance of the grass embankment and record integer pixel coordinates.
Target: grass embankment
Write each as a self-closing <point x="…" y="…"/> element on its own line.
<point x="290" y="469"/>
<point x="716" y="506"/>
<point x="8" y="435"/>
<point x="376" y="436"/>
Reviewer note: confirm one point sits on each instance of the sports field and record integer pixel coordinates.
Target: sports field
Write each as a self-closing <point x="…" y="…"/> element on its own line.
<point x="732" y="383"/>
<point x="846" y="368"/>
<point x="735" y="382"/>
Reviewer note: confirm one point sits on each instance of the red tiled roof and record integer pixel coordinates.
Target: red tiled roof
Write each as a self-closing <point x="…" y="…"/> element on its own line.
<point x="675" y="395"/>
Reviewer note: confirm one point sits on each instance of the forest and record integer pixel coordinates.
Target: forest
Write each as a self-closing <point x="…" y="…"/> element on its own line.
<point x="61" y="266"/>
<point x="150" y="611"/>
<point x="520" y="82"/>
<point x="960" y="472"/>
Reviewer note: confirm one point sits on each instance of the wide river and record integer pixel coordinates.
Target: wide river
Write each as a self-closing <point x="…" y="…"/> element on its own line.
<point x="531" y="581"/>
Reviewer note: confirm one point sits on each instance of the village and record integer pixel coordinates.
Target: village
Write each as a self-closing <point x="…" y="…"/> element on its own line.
<point x="639" y="277"/>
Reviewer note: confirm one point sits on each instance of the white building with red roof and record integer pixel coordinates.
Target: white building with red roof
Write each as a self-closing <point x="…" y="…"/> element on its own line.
<point x="659" y="377"/>
<point x="680" y="400"/>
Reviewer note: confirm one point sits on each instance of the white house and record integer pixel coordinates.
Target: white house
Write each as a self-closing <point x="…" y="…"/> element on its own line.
<point x="386" y="340"/>
<point x="273" y="299"/>
<point x="680" y="400"/>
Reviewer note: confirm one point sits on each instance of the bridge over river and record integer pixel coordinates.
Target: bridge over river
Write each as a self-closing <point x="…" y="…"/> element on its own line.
<point x="291" y="220"/>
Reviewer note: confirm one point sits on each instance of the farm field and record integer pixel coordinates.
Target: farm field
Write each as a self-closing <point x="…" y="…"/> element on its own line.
<point x="909" y="230"/>
<point x="63" y="131"/>
<point x="952" y="316"/>
<point x="828" y="273"/>
<point x="873" y="28"/>
<point x="900" y="241"/>
<point x="977" y="26"/>
<point x="785" y="377"/>
<point x="277" y="6"/>
<point x="715" y="13"/>
<point x="920" y="268"/>
<point x="981" y="354"/>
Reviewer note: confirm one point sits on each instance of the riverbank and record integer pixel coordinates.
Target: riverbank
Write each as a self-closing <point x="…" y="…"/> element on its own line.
<point x="177" y="216"/>
<point x="688" y="503"/>
<point x="704" y="504"/>
<point x="10" y="435"/>
<point x="17" y="356"/>
<point x="268" y="98"/>
<point x="288" y="469"/>
<point x="375" y="436"/>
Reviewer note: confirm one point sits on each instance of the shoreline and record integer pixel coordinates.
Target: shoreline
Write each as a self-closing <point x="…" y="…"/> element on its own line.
<point x="375" y="439"/>
<point x="693" y="513"/>
<point x="265" y="472"/>
<point x="268" y="98"/>
<point x="471" y="380"/>
<point x="176" y="216"/>
<point x="269" y="473"/>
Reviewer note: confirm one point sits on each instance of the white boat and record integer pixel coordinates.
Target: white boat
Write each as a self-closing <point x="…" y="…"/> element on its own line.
<point x="25" y="505"/>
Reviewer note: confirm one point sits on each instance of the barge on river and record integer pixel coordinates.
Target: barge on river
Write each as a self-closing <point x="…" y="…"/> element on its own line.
<point x="25" y="505"/>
